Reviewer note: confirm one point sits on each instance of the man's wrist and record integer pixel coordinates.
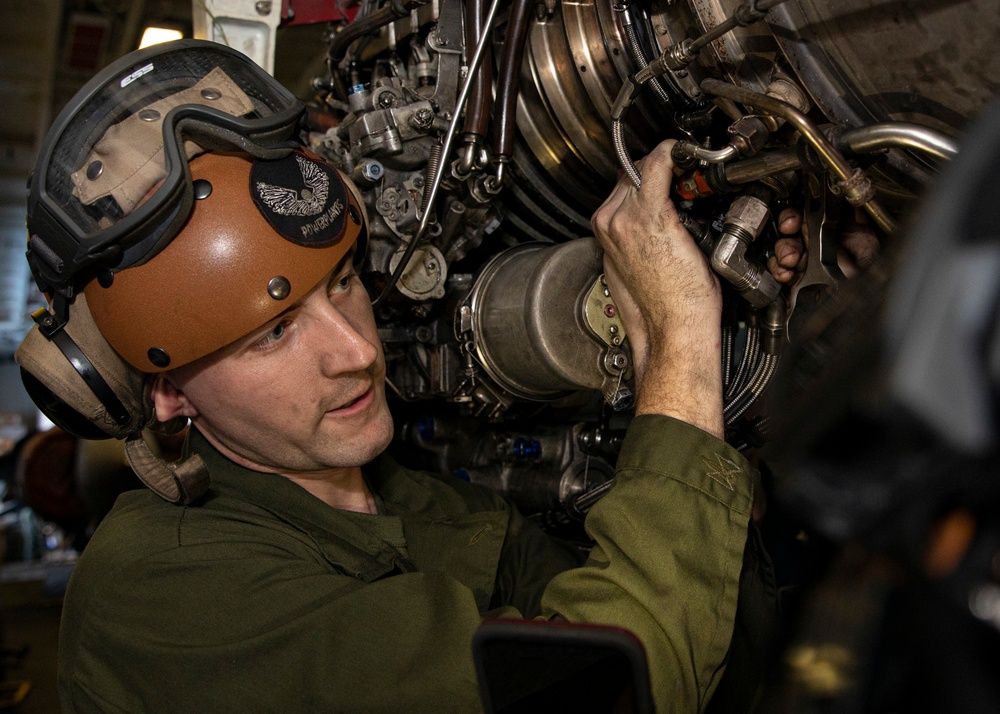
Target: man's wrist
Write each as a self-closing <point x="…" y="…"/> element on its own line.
<point x="682" y="378"/>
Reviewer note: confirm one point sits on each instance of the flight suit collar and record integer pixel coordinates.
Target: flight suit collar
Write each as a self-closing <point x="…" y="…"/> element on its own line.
<point x="442" y="532"/>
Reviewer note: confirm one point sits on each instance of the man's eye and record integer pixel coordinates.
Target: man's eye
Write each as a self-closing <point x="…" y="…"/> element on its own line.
<point x="276" y="333"/>
<point x="344" y="281"/>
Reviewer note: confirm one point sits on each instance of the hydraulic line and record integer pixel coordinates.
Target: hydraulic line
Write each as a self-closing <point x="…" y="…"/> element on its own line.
<point x="477" y="118"/>
<point x="751" y="393"/>
<point x="637" y="55"/>
<point x="771" y="334"/>
<point x="727" y="355"/>
<point x="866" y="139"/>
<point x="744" y="15"/>
<point x="673" y="58"/>
<point x="751" y="353"/>
<point x="856" y="187"/>
<point x="876" y="137"/>
<point x="509" y="79"/>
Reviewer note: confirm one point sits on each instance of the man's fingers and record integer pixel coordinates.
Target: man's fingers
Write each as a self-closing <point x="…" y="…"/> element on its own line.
<point x="790" y="221"/>
<point x="658" y="172"/>
<point x="788" y="252"/>
<point x="601" y="220"/>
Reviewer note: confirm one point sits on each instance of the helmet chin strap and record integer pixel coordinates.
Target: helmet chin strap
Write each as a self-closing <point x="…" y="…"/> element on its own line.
<point x="181" y="482"/>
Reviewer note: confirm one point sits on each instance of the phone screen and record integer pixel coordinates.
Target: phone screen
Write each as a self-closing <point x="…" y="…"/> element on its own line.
<point x="531" y="665"/>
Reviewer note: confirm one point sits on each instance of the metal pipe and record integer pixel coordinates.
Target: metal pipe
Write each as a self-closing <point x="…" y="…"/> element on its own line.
<point x="856" y="187"/>
<point x="477" y="118"/>
<point x="449" y="139"/>
<point x="746" y="14"/>
<point x="696" y="151"/>
<point x="510" y="78"/>
<point x="762" y="166"/>
<point x="866" y="139"/>
<point x="875" y="137"/>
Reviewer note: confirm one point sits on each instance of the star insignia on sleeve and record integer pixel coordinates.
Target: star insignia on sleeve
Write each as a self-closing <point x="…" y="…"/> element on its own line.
<point x="722" y="470"/>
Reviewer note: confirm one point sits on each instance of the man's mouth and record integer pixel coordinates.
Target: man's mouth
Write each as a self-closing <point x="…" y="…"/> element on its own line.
<point x="355" y="404"/>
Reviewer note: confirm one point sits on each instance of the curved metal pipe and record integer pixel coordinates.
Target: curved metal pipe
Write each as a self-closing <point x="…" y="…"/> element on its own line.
<point x="876" y="137"/>
<point x="510" y="78"/>
<point x="857" y="189"/>
<point x="696" y="151"/>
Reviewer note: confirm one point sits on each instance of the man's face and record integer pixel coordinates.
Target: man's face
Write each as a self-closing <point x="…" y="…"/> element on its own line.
<point x="304" y="393"/>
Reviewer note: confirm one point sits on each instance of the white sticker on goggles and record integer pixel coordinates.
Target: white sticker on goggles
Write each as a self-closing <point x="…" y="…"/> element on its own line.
<point x="135" y="75"/>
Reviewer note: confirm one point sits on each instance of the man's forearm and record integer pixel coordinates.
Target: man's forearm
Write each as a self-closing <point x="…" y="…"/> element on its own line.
<point x="682" y="376"/>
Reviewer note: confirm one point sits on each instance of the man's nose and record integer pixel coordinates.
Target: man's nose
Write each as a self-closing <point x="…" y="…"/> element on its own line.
<point x="344" y="343"/>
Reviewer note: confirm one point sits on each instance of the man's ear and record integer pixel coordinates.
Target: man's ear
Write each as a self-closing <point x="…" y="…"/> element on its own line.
<point x="169" y="401"/>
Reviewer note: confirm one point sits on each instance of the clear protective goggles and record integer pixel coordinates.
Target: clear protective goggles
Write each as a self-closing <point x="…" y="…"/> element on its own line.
<point x="112" y="187"/>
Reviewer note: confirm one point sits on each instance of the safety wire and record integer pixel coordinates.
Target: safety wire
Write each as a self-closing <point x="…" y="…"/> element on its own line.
<point x="449" y="138"/>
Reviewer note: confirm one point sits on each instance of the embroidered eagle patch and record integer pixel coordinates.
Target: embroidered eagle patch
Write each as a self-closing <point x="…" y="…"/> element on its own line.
<point x="303" y="199"/>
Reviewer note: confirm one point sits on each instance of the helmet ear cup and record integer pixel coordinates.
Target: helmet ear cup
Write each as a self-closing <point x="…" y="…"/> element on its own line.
<point x="81" y="384"/>
<point x="59" y="412"/>
<point x="75" y="377"/>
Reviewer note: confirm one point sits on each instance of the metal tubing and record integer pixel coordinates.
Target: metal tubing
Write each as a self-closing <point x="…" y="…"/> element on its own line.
<point x="709" y="156"/>
<point x="477" y="118"/>
<point x="876" y="137"/>
<point x="762" y="166"/>
<point x="744" y="221"/>
<point x="510" y="78"/>
<point x="845" y="173"/>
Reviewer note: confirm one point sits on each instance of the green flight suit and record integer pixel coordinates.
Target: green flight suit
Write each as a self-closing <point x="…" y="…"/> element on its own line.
<point x="261" y="598"/>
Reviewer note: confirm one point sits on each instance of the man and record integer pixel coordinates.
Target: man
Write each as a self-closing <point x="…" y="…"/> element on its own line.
<point x="299" y="568"/>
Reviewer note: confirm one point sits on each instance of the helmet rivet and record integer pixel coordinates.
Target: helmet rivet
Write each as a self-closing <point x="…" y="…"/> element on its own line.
<point x="95" y="169"/>
<point x="158" y="357"/>
<point x="105" y="278"/>
<point x="149" y="115"/>
<point x="202" y="188"/>
<point x="353" y="213"/>
<point x="210" y="93"/>
<point x="279" y="288"/>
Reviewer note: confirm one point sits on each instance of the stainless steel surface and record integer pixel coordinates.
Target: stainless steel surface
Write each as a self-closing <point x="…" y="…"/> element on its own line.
<point x="529" y="327"/>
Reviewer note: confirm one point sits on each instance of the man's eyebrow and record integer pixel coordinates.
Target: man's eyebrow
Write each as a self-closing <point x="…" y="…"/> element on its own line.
<point x="335" y="271"/>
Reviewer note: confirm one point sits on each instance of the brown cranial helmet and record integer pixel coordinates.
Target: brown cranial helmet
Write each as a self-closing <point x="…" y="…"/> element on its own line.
<point x="171" y="212"/>
<point x="261" y="235"/>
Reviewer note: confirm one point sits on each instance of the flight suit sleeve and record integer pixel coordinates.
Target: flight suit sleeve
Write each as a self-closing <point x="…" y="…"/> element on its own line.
<point x="669" y="540"/>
